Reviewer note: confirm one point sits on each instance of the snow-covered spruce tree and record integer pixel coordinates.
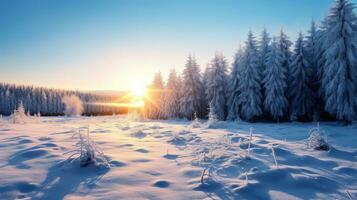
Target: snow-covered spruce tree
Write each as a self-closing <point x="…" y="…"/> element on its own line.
<point x="312" y="55"/>
<point x="339" y="76"/>
<point x="232" y="103"/>
<point x="250" y="98"/>
<point x="284" y="45"/>
<point x="320" y="105"/>
<point x="153" y="107"/>
<point x="179" y="91"/>
<point x="193" y="95"/>
<point x="205" y="79"/>
<point x="217" y="83"/>
<point x="263" y="50"/>
<point x="299" y="92"/>
<point x="171" y="96"/>
<point x="275" y="84"/>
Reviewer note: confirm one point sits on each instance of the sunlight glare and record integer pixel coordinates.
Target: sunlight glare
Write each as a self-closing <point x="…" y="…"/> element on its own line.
<point x="138" y="90"/>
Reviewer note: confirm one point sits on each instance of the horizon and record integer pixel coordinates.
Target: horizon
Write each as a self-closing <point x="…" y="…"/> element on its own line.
<point x="114" y="45"/>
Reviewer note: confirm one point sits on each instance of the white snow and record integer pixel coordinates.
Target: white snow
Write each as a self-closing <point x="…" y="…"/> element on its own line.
<point x="175" y="160"/>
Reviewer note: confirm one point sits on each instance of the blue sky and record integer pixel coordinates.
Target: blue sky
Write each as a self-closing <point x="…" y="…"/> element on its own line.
<point x="115" y="44"/>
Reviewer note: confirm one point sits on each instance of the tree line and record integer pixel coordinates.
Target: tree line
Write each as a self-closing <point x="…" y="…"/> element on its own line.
<point x="271" y="79"/>
<point x="49" y="102"/>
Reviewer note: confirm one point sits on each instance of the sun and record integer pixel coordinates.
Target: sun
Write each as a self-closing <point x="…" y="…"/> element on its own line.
<point x="138" y="90"/>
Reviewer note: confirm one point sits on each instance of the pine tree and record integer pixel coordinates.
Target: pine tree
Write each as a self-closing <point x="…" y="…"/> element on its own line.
<point x="232" y="103"/>
<point x="339" y="76"/>
<point x="171" y="96"/>
<point x="312" y="55"/>
<point x="264" y="49"/>
<point x="193" y="96"/>
<point x="275" y="84"/>
<point x="179" y="91"/>
<point x="250" y="98"/>
<point x="153" y="103"/>
<point x="284" y="45"/>
<point x="299" y="91"/>
<point x="205" y="78"/>
<point x="217" y="86"/>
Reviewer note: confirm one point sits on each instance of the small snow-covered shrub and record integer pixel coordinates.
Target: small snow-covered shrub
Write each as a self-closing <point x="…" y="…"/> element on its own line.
<point x="73" y="105"/>
<point x="87" y="152"/>
<point x="316" y="140"/>
<point x="19" y="116"/>
<point x="134" y="116"/>
<point x="212" y="118"/>
<point x="1" y="120"/>
<point x="196" y="122"/>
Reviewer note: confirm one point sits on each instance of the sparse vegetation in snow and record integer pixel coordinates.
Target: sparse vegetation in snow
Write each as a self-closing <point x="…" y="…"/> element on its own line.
<point x="87" y="152"/>
<point x="19" y="116"/>
<point x="316" y="140"/>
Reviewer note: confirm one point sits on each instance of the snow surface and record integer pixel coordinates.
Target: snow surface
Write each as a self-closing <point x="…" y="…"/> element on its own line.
<point x="166" y="159"/>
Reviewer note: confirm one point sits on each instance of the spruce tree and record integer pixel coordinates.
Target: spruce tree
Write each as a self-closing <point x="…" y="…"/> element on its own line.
<point x="299" y="91"/>
<point x="171" y="96"/>
<point x="153" y="103"/>
<point x="217" y="86"/>
<point x="339" y="76"/>
<point x="250" y="98"/>
<point x="264" y="49"/>
<point x="232" y="103"/>
<point x="275" y="84"/>
<point x="284" y="45"/>
<point x="312" y="56"/>
<point x="193" y="95"/>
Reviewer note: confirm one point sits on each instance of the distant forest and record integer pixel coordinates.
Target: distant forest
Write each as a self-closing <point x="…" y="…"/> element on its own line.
<point x="48" y="102"/>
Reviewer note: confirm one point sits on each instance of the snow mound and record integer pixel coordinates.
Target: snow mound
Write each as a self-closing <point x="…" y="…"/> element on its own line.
<point x="138" y="134"/>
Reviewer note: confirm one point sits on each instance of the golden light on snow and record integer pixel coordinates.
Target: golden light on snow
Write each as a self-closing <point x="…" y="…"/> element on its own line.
<point x="133" y="104"/>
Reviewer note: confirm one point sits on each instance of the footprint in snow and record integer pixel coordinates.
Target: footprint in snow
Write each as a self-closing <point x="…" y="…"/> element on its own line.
<point x="139" y="134"/>
<point x="141" y="160"/>
<point x="115" y="163"/>
<point x="44" y="138"/>
<point x="162" y="184"/>
<point x="142" y="150"/>
<point x="170" y="156"/>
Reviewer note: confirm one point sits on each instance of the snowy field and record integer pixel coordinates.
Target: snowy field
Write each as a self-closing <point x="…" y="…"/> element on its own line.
<point x="176" y="160"/>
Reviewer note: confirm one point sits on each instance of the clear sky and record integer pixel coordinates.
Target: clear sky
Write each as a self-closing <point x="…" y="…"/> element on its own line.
<point x="112" y="44"/>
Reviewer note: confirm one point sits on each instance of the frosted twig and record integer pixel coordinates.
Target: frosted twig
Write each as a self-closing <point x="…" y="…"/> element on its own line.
<point x="349" y="195"/>
<point x="246" y="178"/>
<point x="250" y="139"/>
<point x="202" y="175"/>
<point x="273" y="151"/>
